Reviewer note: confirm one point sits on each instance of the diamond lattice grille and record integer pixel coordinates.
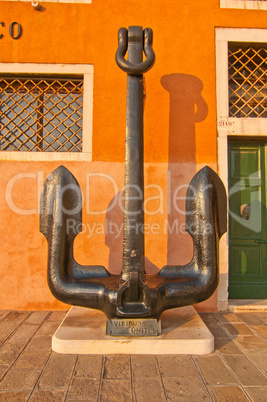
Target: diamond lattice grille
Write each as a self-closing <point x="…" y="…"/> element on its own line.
<point x="247" y="67"/>
<point x="41" y="114"/>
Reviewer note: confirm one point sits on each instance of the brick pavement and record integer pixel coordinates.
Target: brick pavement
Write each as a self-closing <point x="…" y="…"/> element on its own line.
<point x="30" y="371"/>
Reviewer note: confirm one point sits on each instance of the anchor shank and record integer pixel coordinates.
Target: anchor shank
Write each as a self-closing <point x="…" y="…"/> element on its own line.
<point x="133" y="236"/>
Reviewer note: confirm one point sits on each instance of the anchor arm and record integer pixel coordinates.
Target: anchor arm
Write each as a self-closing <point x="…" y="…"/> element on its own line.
<point x="206" y="223"/>
<point x="60" y="222"/>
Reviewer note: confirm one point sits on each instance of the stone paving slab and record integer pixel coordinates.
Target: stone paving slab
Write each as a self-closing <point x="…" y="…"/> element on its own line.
<point x="215" y="371"/>
<point x="257" y="393"/>
<point x="228" y="393"/>
<point x="30" y="371"/>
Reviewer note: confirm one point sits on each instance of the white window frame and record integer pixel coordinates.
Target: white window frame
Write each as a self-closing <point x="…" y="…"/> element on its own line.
<point x="85" y="70"/>
<point x="244" y="4"/>
<point x="234" y="125"/>
<point x="231" y="126"/>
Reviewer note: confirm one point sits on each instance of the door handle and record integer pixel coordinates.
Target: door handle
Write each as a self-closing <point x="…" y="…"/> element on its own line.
<point x="245" y="211"/>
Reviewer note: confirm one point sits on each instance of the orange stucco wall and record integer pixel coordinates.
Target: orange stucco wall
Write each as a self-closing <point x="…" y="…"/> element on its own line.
<point x="180" y="126"/>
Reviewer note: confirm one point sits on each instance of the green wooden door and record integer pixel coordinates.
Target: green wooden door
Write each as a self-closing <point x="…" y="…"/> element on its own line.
<point x="247" y="220"/>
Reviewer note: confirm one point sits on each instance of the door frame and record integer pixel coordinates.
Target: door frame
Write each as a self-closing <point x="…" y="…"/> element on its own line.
<point x="241" y="128"/>
<point x="252" y="284"/>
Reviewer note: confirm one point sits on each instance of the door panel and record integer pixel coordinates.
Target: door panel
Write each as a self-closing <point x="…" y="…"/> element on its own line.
<point x="246" y="261"/>
<point x="243" y="163"/>
<point x="247" y="220"/>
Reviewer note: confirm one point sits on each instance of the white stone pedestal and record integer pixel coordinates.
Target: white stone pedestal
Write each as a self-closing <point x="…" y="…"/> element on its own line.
<point x="83" y="331"/>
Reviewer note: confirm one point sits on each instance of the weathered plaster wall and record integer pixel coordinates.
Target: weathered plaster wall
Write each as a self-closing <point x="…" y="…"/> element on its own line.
<point x="180" y="127"/>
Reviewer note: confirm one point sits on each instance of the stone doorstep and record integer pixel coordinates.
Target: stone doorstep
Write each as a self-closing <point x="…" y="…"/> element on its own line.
<point x="247" y="305"/>
<point x="83" y="331"/>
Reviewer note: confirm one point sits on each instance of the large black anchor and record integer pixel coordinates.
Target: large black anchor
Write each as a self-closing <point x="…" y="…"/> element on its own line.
<point x="133" y="294"/>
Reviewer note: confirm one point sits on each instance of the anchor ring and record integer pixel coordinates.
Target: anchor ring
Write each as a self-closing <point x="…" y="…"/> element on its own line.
<point x="125" y="65"/>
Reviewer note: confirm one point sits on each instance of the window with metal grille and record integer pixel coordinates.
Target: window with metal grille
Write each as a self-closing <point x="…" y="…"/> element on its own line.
<point x="247" y="79"/>
<point x="41" y="113"/>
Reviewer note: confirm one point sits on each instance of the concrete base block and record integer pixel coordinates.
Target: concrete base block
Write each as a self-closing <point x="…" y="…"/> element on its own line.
<point x="83" y="331"/>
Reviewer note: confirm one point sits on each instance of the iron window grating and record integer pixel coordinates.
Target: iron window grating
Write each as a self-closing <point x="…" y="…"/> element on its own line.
<point x="247" y="79"/>
<point x="41" y="113"/>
